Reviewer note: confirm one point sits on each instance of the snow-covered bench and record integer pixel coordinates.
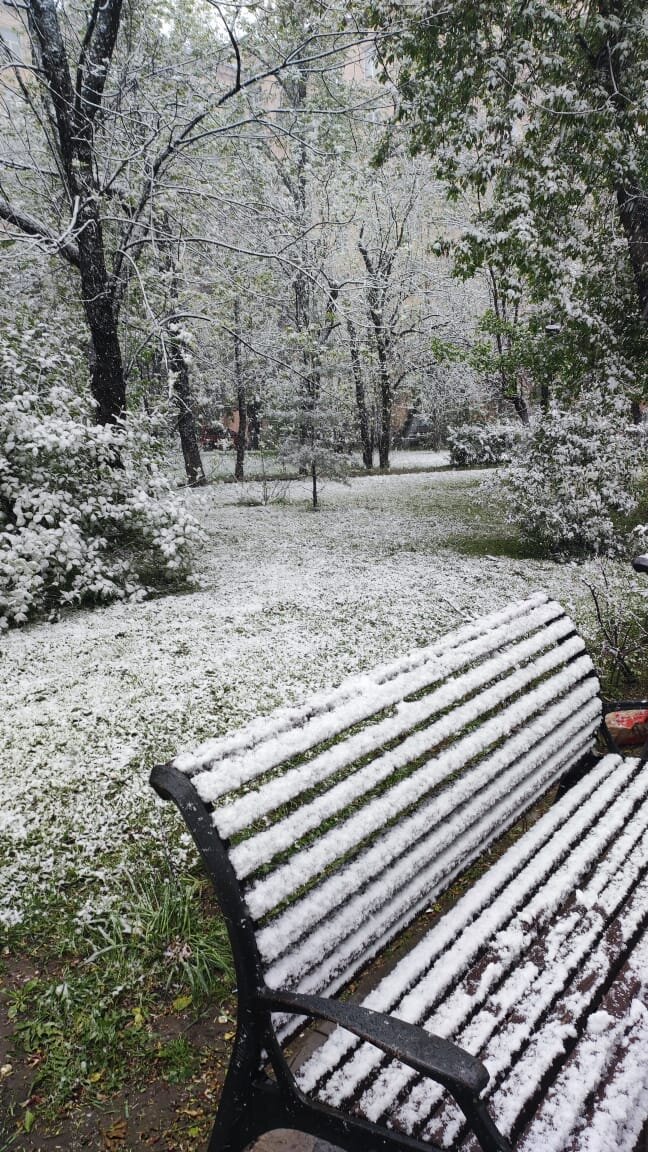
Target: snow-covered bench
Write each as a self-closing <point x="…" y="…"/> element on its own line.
<point x="328" y="828"/>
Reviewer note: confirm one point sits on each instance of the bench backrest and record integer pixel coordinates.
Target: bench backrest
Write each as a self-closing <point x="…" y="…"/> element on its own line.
<point x="344" y="818"/>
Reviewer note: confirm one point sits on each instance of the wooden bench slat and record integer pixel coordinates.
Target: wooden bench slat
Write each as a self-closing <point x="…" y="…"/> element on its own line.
<point x="289" y="732"/>
<point x="548" y="1040"/>
<point x="602" y="1091"/>
<point x="566" y="832"/>
<point x="304" y="865"/>
<point x="424" y="868"/>
<point x="520" y="1031"/>
<point x="454" y="717"/>
<point x="266" y="798"/>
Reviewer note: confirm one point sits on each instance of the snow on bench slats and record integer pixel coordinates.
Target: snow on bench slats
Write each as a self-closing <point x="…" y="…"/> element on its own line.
<point x="587" y="1068"/>
<point x="311" y="968"/>
<point x="600" y="1099"/>
<point x="549" y="956"/>
<point x="565" y="967"/>
<point x="374" y="919"/>
<point x="547" y="1023"/>
<point x="290" y="731"/>
<point x="409" y="715"/>
<point x="243" y="811"/>
<point x="428" y="858"/>
<point x="425" y="866"/>
<point x="547" y="1042"/>
<point x="508" y="947"/>
<point x="368" y="940"/>
<point x="422" y="977"/>
<point x="310" y="862"/>
<point x="597" y="790"/>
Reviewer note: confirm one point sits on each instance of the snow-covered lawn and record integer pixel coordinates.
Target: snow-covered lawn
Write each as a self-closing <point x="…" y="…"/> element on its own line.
<point x="290" y="601"/>
<point x="219" y="464"/>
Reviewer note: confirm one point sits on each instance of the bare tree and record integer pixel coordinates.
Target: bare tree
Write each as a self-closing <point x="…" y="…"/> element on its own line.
<point x="379" y="254"/>
<point x="106" y="111"/>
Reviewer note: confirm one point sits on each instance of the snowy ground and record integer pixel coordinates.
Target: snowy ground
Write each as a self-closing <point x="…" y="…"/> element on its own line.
<point x="291" y="601"/>
<point x="220" y="464"/>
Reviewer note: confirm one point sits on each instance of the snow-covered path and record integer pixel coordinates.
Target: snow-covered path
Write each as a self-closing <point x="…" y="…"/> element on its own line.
<point x="291" y="601"/>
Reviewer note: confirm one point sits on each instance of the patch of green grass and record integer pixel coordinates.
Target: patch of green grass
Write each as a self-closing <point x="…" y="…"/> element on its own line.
<point x="168" y="930"/>
<point x="76" y="1034"/>
<point x="86" y="1023"/>
<point x="496" y="543"/>
<point x="180" y="1060"/>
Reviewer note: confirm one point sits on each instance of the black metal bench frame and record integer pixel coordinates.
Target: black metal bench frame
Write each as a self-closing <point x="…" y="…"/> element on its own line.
<point x="260" y="1093"/>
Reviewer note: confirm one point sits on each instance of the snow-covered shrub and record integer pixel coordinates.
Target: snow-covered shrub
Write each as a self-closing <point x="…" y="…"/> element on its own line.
<point x="481" y="445"/>
<point x="574" y="478"/>
<point x="74" y="527"/>
<point x="618" y="631"/>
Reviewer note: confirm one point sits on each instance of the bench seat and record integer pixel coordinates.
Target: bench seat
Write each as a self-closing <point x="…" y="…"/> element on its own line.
<point x="541" y="971"/>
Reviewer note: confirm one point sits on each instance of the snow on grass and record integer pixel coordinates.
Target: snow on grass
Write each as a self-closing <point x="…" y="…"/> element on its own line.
<point x="219" y="463"/>
<point x="291" y="601"/>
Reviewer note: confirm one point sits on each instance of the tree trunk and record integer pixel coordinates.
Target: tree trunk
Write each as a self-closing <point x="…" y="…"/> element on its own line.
<point x="241" y="398"/>
<point x="633" y="211"/>
<point x="254" y="423"/>
<point x="632" y="199"/>
<point x="521" y="407"/>
<point x="72" y="115"/>
<point x="186" y="419"/>
<point x="306" y="389"/>
<point x="510" y="389"/>
<point x="314" y="479"/>
<point x="106" y="367"/>
<point x="386" y="391"/>
<point x="366" y="432"/>
<point x="384" y="434"/>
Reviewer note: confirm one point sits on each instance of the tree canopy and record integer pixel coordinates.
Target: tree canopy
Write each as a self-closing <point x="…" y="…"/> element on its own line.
<point x="538" y="112"/>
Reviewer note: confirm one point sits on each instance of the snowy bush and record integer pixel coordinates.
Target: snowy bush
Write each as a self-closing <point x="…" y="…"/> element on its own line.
<point x="75" y="528"/>
<point x="480" y="445"/>
<point x="574" y="479"/>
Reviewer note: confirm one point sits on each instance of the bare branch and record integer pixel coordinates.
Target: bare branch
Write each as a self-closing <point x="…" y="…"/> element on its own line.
<point x="30" y="226"/>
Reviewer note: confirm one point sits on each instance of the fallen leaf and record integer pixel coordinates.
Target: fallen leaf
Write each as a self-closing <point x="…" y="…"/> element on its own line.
<point x="116" y="1133"/>
<point x="138" y="1020"/>
<point x="181" y="1002"/>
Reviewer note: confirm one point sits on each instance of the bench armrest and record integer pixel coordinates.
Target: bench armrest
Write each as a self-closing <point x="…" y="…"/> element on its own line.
<point x="623" y="705"/>
<point x="433" y="1056"/>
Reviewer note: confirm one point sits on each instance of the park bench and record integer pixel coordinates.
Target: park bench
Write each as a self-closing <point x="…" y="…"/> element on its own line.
<point x="519" y="1017"/>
